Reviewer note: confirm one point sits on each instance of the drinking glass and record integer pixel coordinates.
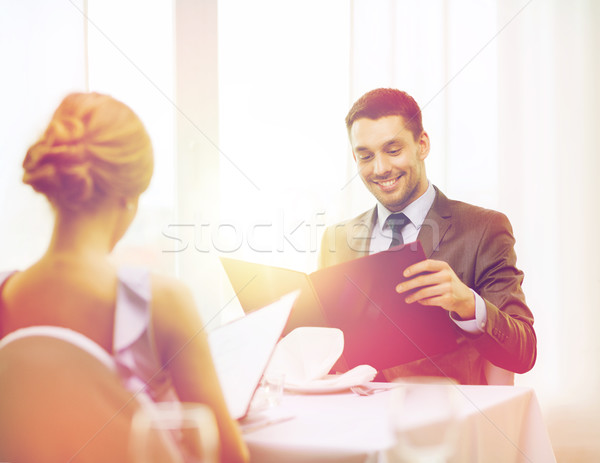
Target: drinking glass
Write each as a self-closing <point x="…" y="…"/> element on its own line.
<point x="269" y="392"/>
<point x="273" y="385"/>
<point x="424" y="419"/>
<point x="174" y="432"/>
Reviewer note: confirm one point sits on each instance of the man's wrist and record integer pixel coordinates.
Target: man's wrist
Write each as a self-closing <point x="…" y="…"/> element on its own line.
<point x="469" y="309"/>
<point x="474" y="325"/>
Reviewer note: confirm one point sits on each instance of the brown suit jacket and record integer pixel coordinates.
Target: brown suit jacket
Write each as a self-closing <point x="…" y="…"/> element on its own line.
<point x="479" y="246"/>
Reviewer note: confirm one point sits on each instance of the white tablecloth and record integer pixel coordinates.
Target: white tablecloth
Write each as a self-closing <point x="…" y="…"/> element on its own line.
<point x="497" y="424"/>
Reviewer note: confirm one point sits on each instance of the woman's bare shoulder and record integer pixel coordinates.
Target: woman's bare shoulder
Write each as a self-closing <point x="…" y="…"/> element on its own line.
<point x="164" y="286"/>
<point x="173" y="304"/>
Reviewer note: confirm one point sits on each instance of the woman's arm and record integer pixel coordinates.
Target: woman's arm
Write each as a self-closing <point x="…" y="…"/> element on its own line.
<point x="183" y="348"/>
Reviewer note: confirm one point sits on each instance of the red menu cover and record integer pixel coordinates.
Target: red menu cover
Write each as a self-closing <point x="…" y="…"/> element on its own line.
<point x="380" y="329"/>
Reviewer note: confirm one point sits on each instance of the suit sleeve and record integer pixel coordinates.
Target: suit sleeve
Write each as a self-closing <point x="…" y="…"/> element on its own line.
<point x="509" y="340"/>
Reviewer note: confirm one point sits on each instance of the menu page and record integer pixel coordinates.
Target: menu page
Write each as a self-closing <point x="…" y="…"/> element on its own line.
<point x="242" y="348"/>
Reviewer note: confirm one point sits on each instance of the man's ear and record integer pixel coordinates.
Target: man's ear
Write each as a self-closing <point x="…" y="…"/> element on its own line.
<point x="424" y="145"/>
<point x="353" y="156"/>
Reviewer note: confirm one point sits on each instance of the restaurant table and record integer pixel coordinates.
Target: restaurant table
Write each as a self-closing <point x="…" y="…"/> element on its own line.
<point x="496" y="424"/>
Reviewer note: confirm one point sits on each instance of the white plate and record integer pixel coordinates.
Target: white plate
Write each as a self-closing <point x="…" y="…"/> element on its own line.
<point x="320" y="386"/>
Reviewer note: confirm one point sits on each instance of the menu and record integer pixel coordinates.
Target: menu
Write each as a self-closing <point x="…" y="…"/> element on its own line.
<point x="359" y="297"/>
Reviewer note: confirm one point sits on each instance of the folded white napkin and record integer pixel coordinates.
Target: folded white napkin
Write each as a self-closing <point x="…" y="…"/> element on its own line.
<point x="306" y="355"/>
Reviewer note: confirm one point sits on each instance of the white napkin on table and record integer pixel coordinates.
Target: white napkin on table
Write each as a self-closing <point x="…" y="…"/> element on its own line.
<point x="306" y="355"/>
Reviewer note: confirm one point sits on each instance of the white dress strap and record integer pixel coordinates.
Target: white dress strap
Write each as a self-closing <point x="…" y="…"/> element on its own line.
<point x="134" y="350"/>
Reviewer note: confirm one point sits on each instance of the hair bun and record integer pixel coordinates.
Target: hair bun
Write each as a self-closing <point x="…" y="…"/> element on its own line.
<point x="66" y="130"/>
<point x="57" y="165"/>
<point x="94" y="147"/>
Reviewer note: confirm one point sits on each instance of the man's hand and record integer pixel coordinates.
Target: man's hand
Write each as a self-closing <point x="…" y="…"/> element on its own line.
<point x="438" y="285"/>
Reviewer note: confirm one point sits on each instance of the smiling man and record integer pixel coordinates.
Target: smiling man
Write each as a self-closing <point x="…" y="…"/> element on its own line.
<point x="470" y="270"/>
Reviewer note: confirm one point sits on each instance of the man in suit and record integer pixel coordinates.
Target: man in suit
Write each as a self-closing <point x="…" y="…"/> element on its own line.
<point x="470" y="267"/>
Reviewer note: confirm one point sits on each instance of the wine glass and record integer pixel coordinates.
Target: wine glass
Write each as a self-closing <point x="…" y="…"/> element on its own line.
<point x="424" y="419"/>
<point x="174" y="432"/>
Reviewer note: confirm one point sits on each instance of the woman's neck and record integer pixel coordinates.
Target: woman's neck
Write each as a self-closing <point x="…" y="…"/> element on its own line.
<point x="83" y="234"/>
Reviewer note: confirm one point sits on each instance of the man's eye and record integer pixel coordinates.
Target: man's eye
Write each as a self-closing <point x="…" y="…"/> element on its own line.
<point x="364" y="157"/>
<point x="395" y="151"/>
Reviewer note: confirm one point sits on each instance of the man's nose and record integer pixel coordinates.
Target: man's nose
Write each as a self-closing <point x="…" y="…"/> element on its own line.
<point x="382" y="165"/>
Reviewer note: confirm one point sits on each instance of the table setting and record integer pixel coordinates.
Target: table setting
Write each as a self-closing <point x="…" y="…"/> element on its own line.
<point x="320" y="417"/>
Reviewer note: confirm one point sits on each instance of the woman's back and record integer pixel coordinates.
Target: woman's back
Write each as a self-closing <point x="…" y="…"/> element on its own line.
<point x="62" y="291"/>
<point x="113" y="308"/>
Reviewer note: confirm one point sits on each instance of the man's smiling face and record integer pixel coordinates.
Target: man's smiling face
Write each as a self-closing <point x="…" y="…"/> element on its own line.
<point x="390" y="160"/>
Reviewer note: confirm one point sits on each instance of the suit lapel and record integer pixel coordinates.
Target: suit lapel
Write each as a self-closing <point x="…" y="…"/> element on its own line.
<point x="361" y="230"/>
<point x="436" y="224"/>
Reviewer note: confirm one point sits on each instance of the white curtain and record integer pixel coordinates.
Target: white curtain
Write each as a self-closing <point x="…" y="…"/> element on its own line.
<point x="52" y="49"/>
<point x="549" y="116"/>
<point x="43" y="52"/>
<point x="284" y="91"/>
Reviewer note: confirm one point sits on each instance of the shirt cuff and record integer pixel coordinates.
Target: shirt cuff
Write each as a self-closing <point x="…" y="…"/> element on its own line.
<point x="477" y="325"/>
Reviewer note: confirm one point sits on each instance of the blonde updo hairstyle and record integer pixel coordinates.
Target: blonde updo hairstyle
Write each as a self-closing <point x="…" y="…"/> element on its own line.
<point x="94" y="147"/>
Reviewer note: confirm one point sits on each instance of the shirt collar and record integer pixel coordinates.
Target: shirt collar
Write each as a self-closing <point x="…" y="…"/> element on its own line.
<point x="415" y="211"/>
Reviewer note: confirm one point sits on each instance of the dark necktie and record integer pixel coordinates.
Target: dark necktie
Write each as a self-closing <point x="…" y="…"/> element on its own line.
<point x="396" y="223"/>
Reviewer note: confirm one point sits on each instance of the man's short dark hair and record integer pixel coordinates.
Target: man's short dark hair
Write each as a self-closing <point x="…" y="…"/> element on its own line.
<point x="383" y="102"/>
